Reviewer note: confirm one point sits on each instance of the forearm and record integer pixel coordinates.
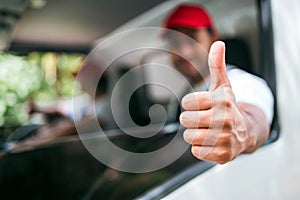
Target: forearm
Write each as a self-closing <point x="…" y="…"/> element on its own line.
<point x="257" y="126"/>
<point x="51" y="132"/>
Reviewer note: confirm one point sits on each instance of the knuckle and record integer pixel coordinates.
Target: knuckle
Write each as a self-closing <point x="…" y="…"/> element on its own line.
<point x="227" y="141"/>
<point x="188" y="136"/>
<point x="198" y="152"/>
<point x="227" y="103"/>
<point x="195" y="152"/>
<point x="227" y="90"/>
<point x="222" y="162"/>
<point x="228" y="122"/>
<point x="225" y="155"/>
<point x="184" y="119"/>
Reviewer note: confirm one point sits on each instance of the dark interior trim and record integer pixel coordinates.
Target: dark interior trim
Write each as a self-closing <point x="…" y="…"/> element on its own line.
<point x="25" y="48"/>
<point x="174" y="183"/>
<point x="267" y="58"/>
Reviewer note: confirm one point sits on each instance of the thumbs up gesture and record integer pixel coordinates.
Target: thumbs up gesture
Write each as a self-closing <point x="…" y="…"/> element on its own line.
<point x="218" y="128"/>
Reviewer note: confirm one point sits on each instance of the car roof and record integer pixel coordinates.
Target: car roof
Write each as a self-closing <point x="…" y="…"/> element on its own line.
<point x="69" y="24"/>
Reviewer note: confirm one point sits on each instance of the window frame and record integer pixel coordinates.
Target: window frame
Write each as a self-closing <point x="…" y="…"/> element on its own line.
<point x="267" y="60"/>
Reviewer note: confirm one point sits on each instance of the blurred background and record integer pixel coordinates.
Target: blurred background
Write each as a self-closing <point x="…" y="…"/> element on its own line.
<point x="44" y="44"/>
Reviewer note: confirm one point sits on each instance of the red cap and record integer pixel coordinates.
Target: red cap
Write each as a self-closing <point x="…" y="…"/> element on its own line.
<point x="189" y="15"/>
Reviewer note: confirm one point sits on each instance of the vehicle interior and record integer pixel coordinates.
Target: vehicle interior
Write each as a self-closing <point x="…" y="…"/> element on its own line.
<point x="74" y="32"/>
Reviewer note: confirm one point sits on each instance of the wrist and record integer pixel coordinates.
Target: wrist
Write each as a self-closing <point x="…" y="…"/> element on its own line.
<point x="250" y="138"/>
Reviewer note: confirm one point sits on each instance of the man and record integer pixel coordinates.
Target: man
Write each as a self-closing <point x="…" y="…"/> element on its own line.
<point x="234" y="115"/>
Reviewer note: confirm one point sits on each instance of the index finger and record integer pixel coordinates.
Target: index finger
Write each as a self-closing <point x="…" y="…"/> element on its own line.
<point x="197" y="101"/>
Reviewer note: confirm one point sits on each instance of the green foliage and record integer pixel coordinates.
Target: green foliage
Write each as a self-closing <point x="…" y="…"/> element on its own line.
<point x="24" y="78"/>
<point x="19" y="80"/>
<point x="62" y="86"/>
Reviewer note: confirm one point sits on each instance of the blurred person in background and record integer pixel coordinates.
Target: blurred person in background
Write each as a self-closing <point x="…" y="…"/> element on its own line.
<point x="79" y="110"/>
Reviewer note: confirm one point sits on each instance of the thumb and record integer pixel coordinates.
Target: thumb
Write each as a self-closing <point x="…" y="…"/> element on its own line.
<point x="217" y="66"/>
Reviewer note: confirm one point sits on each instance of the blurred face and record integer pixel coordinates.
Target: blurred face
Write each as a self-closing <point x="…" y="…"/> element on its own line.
<point x="87" y="83"/>
<point x="193" y="52"/>
<point x="88" y="77"/>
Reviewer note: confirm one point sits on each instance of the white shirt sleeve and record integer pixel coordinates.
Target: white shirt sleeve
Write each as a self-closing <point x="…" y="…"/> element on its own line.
<point x="252" y="89"/>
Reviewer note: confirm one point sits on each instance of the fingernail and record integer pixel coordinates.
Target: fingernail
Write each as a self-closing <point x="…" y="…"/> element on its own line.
<point x="188" y="99"/>
<point x="183" y="118"/>
<point x="189" y="135"/>
<point x="189" y="119"/>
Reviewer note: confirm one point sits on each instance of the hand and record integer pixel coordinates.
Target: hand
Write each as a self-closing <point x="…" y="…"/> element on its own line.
<point x="216" y="126"/>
